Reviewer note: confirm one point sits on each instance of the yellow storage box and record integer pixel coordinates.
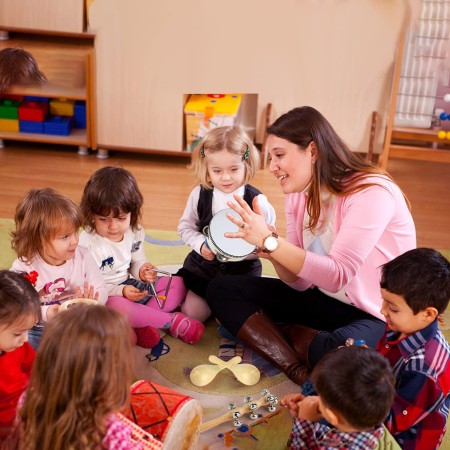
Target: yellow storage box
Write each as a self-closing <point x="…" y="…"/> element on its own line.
<point x="9" y="125"/>
<point x="62" y="107"/>
<point x="204" y="112"/>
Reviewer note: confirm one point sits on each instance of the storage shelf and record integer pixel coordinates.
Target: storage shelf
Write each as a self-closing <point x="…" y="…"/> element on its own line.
<point x="76" y="137"/>
<point x="68" y="65"/>
<point x="49" y="90"/>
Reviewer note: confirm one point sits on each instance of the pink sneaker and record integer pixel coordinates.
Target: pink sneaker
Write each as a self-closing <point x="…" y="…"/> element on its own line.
<point x="147" y="337"/>
<point x="185" y="328"/>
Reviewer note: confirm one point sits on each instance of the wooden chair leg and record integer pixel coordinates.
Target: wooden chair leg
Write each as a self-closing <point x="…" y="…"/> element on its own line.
<point x="373" y="134"/>
<point x="267" y="121"/>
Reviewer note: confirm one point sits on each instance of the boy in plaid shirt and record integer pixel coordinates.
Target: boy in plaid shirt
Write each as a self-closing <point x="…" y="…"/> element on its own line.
<point x="355" y="389"/>
<point x="416" y="289"/>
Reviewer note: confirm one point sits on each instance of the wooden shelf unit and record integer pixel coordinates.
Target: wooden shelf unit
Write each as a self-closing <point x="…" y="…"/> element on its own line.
<point x="68" y="63"/>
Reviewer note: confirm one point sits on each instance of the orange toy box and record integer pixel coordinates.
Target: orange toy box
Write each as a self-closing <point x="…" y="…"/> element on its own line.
<point x="204" y="112"/>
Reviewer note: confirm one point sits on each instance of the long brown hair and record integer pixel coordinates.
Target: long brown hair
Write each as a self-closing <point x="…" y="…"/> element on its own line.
<point x="82" y="373"/>
<point x="40" y="216"/>
<point x="337" y="168"/>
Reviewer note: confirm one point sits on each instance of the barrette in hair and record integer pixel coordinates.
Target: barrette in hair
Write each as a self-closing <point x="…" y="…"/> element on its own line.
<point x="202" y="151"/>
<point x="246" y="154"/>
<point x="32" y="277"/>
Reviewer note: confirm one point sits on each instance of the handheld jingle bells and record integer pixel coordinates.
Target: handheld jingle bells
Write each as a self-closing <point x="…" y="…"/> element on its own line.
<point x="205" y="373"/>
<point x="235" y="414"/>
<point x="226" y="249"/>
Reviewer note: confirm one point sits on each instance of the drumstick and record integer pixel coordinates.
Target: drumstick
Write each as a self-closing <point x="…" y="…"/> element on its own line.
<point x="235" y="413"/>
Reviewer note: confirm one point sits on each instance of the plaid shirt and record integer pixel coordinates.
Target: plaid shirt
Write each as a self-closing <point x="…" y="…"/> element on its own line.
<point x="421" y="365"/>
<point x="317" y="436"/>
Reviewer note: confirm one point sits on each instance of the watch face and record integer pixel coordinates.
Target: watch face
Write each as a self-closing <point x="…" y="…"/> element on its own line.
<point x="270" y="243"/>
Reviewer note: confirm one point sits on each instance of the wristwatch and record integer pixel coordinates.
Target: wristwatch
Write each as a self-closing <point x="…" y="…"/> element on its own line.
<point x="270" y="243"/>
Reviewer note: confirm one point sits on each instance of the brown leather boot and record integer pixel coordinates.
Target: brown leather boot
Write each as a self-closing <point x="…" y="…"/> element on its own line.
<point x="300" y="338"/>
<point x="261" y="335"/>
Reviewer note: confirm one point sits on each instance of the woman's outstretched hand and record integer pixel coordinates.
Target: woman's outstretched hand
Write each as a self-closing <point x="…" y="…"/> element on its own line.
<point x="252" y="225"/>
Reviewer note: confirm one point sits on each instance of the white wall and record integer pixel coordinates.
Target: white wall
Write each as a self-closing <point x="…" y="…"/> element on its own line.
<point x="335" y="55"/>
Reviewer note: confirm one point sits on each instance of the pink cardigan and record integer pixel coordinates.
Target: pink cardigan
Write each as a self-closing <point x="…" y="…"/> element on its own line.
<point x="370" y="228"/>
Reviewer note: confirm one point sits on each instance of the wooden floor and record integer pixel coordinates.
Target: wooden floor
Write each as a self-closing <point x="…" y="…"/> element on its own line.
<point x="165" y="183"/>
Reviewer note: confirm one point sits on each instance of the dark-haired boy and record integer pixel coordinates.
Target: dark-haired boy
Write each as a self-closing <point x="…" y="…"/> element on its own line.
<point x="355" y="389"/>
<point x="416" y="289"/>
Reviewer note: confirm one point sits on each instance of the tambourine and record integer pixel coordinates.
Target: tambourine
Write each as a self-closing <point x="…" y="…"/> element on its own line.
<point x="76" y="301"/>
<point x="226" y="249"/>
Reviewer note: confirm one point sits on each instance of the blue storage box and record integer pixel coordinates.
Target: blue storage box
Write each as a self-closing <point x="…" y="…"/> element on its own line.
<point x="32" y="98"/>
<point x="79" y="116"/>
<point x="60" y="125"/>
<point x="27" y="126"/>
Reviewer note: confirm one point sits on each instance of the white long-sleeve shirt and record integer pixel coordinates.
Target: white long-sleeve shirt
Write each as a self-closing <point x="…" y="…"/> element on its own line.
<point x="188" y="224"/>
<point x="61" y="282"/>
<point x="116" y="260"/>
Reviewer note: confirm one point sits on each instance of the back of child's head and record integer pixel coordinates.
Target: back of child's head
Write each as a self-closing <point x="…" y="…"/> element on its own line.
<point x="421" y="276"/>
<point x="82" y="373"/>
<point x="111" y="190"/>
<point x="358" y="383"/>
<point x="18" y="66"/>
<point x="231" y="138"/>
<point x="18" y="298"/>
<point x="40" y="217"/>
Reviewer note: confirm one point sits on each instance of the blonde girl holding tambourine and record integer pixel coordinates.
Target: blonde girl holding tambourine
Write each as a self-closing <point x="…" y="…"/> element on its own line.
<point x="224" y="162"/>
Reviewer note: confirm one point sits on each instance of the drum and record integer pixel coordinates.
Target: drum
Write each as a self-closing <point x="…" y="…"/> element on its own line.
<point x="77" y="301"/>
<point x="226" y="249"/>
<point x="170" y="416"/>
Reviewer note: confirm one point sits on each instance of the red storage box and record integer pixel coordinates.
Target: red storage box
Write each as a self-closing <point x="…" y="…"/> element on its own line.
<point x="33" y="111"/>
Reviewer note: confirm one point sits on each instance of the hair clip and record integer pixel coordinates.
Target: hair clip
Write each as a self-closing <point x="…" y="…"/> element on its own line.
<point x="202" y="151"/>
<point x="32" y="277"/>
<point x="246" y="154"/>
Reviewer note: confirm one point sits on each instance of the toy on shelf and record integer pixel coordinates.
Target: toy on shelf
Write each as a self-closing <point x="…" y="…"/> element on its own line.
<point x="205" y="373"/>
<point x="250" y="407"/>
<point x="204" y="112"/>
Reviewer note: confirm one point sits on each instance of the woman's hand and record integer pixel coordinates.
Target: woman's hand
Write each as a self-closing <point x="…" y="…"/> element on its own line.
<point x="133" y="293"/>
<point x="147" y="273"/>
<point x="253" y="227"/>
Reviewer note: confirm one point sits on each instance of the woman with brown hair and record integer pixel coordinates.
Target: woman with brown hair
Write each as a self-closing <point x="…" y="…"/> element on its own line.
<point x="345" y="218"/>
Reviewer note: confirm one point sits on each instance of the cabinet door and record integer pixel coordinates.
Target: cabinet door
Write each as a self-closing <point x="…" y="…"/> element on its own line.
<point x="46" y="15"/>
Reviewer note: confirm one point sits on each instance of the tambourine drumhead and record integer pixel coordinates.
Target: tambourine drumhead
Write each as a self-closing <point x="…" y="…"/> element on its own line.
<point x="231" y="248"/>
<point x="74" y="301"/>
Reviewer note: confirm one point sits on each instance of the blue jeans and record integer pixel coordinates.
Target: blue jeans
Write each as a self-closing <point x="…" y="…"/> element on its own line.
<point x="142" y="287"/>
<point x="35" y="335"/>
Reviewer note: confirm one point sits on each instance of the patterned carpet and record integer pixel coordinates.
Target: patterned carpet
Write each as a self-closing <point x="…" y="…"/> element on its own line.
<point x="173" y="362"/>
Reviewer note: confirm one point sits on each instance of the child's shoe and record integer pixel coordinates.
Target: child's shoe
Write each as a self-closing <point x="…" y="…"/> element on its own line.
<point x="185" y="328"/>
<point x="147" y="337"/>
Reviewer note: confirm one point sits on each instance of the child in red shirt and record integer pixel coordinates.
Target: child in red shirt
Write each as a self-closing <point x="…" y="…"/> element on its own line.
<point x="19" y="311"/>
